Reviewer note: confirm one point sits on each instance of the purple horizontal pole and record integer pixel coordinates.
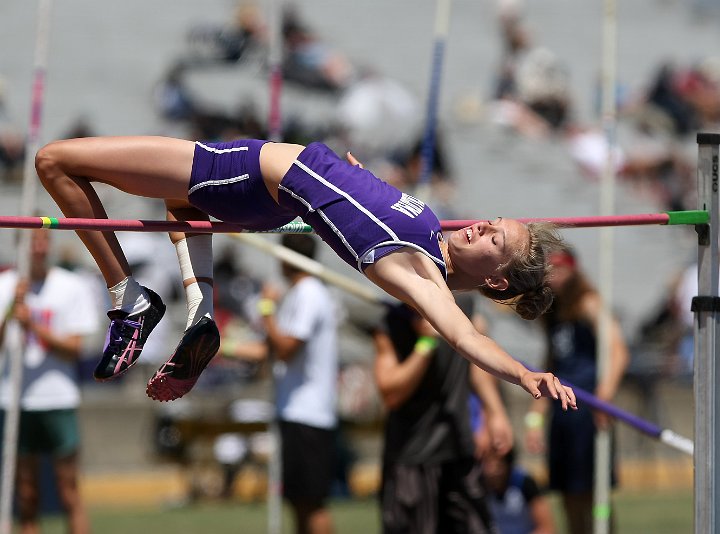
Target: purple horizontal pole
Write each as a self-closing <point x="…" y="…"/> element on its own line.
<point x="646" y="427"/>
<point x="591" y="400"/>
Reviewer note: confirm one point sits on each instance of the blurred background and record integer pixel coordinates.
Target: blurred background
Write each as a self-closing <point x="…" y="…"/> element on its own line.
<point x="519" y="134"/>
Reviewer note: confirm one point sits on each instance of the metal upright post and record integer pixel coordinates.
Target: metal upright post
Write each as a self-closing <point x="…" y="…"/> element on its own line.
<point x="706" y="371"/>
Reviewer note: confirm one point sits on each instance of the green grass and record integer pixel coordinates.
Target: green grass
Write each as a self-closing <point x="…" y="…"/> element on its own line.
<point x="658" y="513"/>
<point x="646" y="513"/>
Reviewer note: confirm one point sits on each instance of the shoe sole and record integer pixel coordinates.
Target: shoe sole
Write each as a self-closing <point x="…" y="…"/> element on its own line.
<point x="164" y="387"/>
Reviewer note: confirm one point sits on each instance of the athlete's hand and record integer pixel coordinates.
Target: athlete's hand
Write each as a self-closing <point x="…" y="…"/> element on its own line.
<point x="353" y="161"/>
<point x="548" y="385"/>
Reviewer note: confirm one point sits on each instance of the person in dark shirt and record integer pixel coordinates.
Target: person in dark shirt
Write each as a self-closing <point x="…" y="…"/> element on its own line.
<point x="430" y="480"/>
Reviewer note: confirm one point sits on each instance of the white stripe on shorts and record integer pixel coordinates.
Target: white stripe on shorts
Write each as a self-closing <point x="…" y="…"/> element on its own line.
<point x="221" y="150"/>
<point x="224" y="181"/>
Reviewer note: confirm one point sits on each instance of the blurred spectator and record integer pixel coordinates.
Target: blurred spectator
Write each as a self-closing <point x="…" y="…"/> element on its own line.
<point x="228" y="44"/>
<point x="173" y="100"/>
<point x="303" y="338"/>
<point x="571" y="327"/>
<point x="180" y="107"/>
<point x="12" y="143"/>
<point x="535" y="98"/>
<point x="543" y="85"/>
<point x="310" y="62"/>
<point x="377" y="115"/>
<point x="515" y="40"/>
<point x="686" y="290"/>
<point x="682" y="100"/>
<point x="517" y="503"/>
<point x="47" y="316"/>
<point x="431" y="482"/>
<point x="664" y="345"/>
<point x="655" y="166"/>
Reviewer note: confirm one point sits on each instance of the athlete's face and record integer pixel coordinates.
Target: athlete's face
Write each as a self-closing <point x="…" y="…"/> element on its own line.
<point x="478" y="250"/>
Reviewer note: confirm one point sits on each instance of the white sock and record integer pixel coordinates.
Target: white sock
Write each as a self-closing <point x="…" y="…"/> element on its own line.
<point x="128" y="296"/>
<point x="196" y="261"/>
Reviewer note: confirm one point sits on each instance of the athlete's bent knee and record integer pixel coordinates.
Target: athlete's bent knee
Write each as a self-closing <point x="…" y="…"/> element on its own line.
<point x="47" y="163"/>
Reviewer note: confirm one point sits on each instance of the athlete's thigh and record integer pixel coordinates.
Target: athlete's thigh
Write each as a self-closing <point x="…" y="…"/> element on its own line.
<point x="157" y="167"/>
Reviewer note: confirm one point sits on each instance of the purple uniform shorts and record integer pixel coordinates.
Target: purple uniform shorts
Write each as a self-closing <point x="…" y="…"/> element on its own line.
<point x="226" y="183"/>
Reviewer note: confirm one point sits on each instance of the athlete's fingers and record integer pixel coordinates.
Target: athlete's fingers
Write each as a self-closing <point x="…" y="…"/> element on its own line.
<point x="562" y="394"/>
<point x="352" y="160"/>
<point x="572" y="401"/>
<point x="550" y="382"/>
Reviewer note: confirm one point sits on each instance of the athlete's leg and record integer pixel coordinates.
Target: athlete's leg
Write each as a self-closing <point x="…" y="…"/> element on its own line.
<point x="145" y="166"/>
<point x="201" y="339"/>
<point x="194" y="253"/>
<point x="154" y="167"/>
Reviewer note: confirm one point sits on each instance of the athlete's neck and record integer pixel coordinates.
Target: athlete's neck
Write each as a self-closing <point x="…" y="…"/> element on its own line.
<point x="444" y="249"/>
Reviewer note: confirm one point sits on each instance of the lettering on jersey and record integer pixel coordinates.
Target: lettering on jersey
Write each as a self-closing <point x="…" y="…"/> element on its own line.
<point x="410" y="206"/>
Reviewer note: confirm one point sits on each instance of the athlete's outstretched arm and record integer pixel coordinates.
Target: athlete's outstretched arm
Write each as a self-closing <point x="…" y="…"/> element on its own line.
<point x="412" y="278"/>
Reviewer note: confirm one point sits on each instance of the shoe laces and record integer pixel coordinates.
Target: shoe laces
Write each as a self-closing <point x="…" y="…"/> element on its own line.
<point x="118" y="326"/>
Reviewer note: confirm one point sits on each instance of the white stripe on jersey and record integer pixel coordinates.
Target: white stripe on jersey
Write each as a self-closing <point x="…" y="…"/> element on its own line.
<point x="324" y="218"/>
<point x="362" y="260"/>
<point x="349" y="198"/>
<point x="296" y="197"/>
<point x="395" y="240"/>
<point x="338" y="233"/>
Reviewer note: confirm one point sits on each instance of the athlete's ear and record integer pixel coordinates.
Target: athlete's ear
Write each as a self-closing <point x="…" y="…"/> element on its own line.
<point x="499" y="283"/>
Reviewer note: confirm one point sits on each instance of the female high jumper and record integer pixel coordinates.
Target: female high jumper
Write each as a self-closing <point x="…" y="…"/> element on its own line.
<point x="390" y="236"/>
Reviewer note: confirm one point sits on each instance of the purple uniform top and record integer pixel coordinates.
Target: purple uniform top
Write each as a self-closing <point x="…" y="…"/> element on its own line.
<point x="361" y="217"/>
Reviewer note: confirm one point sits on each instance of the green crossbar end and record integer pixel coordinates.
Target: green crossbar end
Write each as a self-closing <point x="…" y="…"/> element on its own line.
<point x="688" y="217"/>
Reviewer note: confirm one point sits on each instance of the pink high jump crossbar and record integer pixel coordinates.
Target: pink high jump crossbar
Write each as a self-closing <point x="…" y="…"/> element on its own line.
<point x="691" y="217"/>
